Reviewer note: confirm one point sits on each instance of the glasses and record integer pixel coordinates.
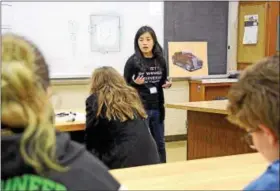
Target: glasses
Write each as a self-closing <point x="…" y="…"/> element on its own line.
<point x="249" y="139"/>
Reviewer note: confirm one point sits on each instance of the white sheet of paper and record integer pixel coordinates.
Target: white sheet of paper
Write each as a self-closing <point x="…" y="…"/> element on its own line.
<point x="153" y="90"/>
<point x="68" y="118"/>
<point x="250" y="35"/>
<point x="251" y="30"/>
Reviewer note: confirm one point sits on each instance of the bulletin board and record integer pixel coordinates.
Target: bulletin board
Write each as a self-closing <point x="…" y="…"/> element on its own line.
<point x="250" y="53"/>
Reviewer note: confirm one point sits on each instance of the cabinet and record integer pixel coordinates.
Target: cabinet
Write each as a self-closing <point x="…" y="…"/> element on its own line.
<point x="209" y="89"/>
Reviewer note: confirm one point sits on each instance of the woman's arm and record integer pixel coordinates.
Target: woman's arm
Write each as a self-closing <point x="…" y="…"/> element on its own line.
<point x="91" y="122"/>
<point x="164" y="73"/>
<point x="129" y="72"/>
<point x="164" y="81"/>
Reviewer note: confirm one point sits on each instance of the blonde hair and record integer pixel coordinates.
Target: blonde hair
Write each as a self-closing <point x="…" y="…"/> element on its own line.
<point x="254" y="99"/>
<point x="25" y="103"/>
<point x="120" y="100"/>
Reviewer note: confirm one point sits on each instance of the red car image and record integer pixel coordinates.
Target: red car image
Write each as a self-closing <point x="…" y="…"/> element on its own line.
<point x="187" y="61"/>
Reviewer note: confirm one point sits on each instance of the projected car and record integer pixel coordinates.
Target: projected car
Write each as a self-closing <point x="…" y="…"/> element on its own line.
<point x="187" y="61"/>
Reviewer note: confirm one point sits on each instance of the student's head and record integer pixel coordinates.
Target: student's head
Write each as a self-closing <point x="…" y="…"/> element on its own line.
<point x="16" y="48"/>
<point x="254" y="105"/>
<point x="120" y="100"/>
<point x="25" y="104"/>
<point x="146" y="43"/>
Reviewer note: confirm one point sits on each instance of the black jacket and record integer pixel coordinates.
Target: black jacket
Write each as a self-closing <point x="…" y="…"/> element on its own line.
<point x="133" y="67"/>
<point x="85" y="171"/>
<point x="118" y="144"/>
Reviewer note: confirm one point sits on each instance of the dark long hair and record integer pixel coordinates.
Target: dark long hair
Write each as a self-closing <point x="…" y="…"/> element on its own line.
<point x="157" y="49"/>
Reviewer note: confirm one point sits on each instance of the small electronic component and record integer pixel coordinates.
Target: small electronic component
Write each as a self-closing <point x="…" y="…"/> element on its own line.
<point x="70" y="116"/>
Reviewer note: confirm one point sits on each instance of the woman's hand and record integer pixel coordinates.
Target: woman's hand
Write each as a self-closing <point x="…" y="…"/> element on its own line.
<point x="139" y="80"/>
<point x="167" y="84"/>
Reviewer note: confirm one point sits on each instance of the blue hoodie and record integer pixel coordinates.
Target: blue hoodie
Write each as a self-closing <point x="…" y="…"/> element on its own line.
<point x="269" y="180"/>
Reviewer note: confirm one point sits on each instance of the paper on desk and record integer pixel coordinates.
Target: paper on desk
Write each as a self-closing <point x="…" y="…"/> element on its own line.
<point x="69" y="118"/>
<point x="80" y="116"/>
<point x="250" y="29"/>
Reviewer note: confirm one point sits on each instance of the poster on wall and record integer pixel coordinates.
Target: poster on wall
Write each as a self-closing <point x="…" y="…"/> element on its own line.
<point x="187" y="59"/>
<point x="250" y="29"/>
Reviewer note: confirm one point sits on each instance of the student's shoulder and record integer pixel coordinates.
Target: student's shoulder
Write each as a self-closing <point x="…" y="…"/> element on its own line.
<point x="91" y="99"/>
<point x="161" y="59"/>
<point x="85" y="172"/>
<point x="269" y="180"/>
<point x="92" y="171"/>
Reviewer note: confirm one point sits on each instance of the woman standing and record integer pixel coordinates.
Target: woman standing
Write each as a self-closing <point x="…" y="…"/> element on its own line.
<point x="146" y="71"/>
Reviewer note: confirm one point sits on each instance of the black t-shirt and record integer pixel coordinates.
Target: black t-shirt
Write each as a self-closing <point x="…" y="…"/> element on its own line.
<point x="155" y="74"/>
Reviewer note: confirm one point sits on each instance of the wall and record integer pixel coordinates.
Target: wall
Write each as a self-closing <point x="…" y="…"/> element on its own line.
<point x="232" y="35"/>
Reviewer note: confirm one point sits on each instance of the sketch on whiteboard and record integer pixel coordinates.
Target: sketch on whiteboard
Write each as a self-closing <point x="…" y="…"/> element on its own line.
<point x="6" y="21"/>
<point x="73" y="30"/>
<point x="105" y="33"/>
<point x="6" y="29"/>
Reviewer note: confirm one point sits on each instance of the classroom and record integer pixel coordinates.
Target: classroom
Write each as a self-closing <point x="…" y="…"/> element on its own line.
<point x="200" y="77"/>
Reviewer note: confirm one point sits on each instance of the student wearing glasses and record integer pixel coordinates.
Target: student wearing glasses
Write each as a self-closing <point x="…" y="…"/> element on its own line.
<point x="254" y="106"/>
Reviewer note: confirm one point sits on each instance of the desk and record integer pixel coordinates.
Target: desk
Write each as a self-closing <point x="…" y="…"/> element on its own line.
<point x="75" y="128"/>
<point x="70" y="126"/>
<point x="209" y="133"/>
<point x="209" y="89"/>
<point x="77" y="125"/>
<point x="221" y="173"/>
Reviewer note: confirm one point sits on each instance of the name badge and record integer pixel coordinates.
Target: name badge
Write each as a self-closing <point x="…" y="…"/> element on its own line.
<point x="153" y="90"/>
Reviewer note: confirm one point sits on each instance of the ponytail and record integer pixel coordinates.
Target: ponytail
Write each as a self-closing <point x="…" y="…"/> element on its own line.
<point x="25" y="104"/>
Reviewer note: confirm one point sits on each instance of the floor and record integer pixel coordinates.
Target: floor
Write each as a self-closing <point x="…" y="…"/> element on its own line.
<point x="176" y="151"/>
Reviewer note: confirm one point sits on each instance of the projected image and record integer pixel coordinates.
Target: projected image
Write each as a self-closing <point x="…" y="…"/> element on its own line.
<point x="187" y="61"/>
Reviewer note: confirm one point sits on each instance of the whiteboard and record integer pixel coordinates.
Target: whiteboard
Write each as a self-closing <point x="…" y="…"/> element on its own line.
<point x="63" y="31"/>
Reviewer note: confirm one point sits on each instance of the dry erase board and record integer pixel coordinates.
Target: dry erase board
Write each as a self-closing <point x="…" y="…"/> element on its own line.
<point x="64" y="31"/>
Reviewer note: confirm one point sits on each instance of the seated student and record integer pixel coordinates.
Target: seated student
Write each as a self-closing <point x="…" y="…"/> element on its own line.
<point x="33" y="155"/>
<point x="254" y="105"/>
<point x="116" y="129"/>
